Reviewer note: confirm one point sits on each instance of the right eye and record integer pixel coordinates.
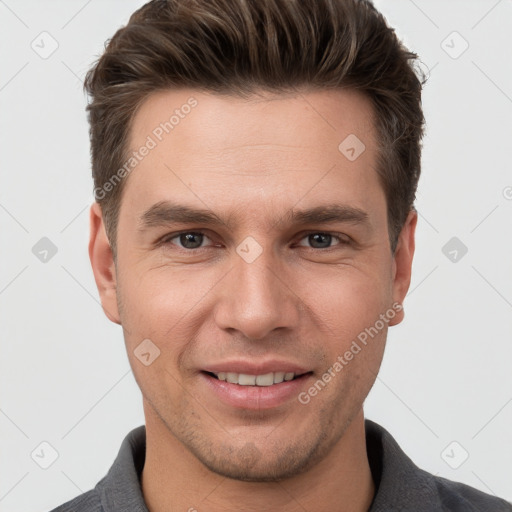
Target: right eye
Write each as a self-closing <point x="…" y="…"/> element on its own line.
<point x="188" y="240"/>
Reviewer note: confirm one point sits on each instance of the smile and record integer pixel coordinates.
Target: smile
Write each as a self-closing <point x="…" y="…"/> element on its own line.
<point x="243" y="379"/>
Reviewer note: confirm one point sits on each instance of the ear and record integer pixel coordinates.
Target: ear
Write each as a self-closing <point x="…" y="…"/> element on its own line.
<point x="102" y="262"/>
<point x="402" y="263"/>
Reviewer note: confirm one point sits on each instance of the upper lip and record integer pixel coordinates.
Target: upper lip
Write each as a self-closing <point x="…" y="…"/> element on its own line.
<point x="256" y="368"/>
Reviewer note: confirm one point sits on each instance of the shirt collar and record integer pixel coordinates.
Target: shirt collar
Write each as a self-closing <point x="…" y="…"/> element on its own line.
<point x="121" y="488"/>
<point x="399" y="483"/>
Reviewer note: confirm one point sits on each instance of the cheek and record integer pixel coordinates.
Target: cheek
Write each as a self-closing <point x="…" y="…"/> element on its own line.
<point x="166" y="306"/>
<point x="157" y="333"/>
<point x="159" y="300"/>
<point x="345" y="300"/>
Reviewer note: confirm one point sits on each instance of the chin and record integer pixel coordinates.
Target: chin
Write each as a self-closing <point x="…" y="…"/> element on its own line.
<point x="249" y="464"/>
<point x="260" y="473"/>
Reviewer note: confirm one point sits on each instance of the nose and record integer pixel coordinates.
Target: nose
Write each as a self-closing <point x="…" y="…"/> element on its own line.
<point x="257" y="298"/>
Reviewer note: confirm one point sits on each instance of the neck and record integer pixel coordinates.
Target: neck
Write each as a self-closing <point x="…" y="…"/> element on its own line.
<point x="174" y="479"/>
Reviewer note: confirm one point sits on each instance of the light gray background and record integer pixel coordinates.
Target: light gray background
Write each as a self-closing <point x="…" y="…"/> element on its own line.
<point x="64" y="372"/>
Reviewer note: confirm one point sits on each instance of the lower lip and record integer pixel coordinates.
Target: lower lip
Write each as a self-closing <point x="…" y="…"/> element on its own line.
<point x="255" y="397"/>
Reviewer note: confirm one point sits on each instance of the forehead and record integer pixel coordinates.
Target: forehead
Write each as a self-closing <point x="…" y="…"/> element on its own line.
<point x="311" y="119"/>
<point x="268" y="148"/>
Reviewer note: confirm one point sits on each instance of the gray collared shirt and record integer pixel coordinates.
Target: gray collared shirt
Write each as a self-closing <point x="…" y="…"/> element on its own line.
<point x="400" y="484"/>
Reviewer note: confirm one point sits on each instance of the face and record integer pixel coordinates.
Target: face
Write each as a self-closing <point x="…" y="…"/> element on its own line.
<point x="250" y="243"/>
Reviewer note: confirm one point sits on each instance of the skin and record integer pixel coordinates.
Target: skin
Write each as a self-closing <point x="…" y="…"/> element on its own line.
<point x="252" y="161"/>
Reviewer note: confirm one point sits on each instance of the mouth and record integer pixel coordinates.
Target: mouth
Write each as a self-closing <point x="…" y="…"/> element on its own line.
<point x="257" y="392"/>
<point x="258" y="385"/>
<point x="263" y="380"/>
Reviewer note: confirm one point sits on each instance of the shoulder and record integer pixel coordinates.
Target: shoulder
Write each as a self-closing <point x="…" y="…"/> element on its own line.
<point x="120" y="488"/>
<point x="87" y="502"/>
<point x="456" y="496"/>
<point x="403" y="486"/>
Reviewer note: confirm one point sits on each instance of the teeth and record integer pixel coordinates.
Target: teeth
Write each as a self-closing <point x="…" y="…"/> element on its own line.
<point x="278" y="377"/>
<point x="242" y="379"/>
<point x="263" y="380"/>
<point x="246" y="380"/>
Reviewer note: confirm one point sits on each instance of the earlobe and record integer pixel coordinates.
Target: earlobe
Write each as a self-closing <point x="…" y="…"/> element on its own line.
<point x="402" y="264"/>
<point x="102" y="262"/>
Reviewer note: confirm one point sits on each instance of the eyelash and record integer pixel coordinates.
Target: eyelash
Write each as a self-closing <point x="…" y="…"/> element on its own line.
<point x="340" y="237"/>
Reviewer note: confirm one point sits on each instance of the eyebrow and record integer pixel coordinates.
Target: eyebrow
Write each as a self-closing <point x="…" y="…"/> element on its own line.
<point x="166" y="212"/>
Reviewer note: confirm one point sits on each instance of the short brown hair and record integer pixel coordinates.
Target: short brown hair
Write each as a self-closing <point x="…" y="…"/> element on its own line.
<point x="240" y="46"/>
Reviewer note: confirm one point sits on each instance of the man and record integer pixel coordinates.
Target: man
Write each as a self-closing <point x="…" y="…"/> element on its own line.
<point x="255" y="167"/>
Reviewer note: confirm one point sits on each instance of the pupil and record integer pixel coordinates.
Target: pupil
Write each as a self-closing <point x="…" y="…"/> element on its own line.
<point x="326" y="239"/>
<point x="187" y="240"/>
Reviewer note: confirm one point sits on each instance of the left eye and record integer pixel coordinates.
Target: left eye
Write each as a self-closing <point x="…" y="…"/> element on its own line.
<point x="194" y="240"/>
<point x="323" y="240"/>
